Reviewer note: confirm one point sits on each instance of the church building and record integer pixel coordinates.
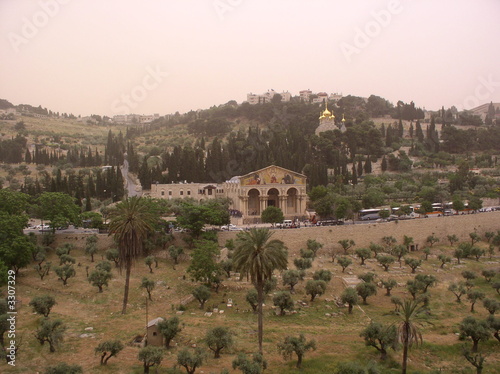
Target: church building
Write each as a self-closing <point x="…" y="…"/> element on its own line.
<point x="250" y="194"/>
<point x="327" y="122"/>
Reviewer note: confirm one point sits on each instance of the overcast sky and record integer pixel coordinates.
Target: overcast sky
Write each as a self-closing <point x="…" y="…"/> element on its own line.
<point x="160" y="56"/>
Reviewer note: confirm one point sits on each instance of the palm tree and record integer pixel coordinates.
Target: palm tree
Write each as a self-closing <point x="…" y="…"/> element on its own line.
<point x="407" y="331"/>
<point x="257" y="257"/>
<point x="130" y="222"/>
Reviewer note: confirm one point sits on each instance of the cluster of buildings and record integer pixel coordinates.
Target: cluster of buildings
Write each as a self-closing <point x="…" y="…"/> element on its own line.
<point x="305" y="95"/>
<point x="135" y="119"/>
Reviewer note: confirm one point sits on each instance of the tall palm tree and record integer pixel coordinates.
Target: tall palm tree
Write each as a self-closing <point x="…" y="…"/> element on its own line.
<point x="130" y="222"/>
<point x="256" y="256"/>
<point x="407" y="331"/>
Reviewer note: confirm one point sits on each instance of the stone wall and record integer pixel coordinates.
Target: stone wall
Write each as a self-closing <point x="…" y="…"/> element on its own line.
<point x="363" y="234"/>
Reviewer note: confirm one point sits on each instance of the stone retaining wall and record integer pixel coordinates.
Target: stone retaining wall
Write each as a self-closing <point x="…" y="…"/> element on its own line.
<point x="363" y="234"/>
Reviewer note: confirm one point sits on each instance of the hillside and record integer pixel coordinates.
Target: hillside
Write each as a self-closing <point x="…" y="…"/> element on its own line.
<point x="93" y="317"/>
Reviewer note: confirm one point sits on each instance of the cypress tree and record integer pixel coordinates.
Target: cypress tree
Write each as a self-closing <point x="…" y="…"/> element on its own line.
<point x="384" y="164"/>
<point x="368" y="165"/>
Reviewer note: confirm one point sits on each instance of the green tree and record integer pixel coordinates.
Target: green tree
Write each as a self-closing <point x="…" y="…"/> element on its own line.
<point x="283" y="300"/>
<point x="148" y="285"/>
<point x="389" y="284"/>
<point x="291" y="278"/>
<point x="346" y="244"/>
<point x="42" y="304"/>
<point x="175" y="252"/>
<point x="315" y="288"/>
<point x="366" y="290"/>
<point x="219" y="338"/>
<point x="407" y="330"/>
<point x="302" y="264"/>
<point x="413" y="263"/>
<point x="491" y="305"/>
<point x="91" y="246"/>
<point x="314" y="246"/>
<point x="50" y="331"/>
<point x="474" y="237"/>
<point x="476" y="360"/>
<point x="202" y="294"/>
<point x="458" y="289"/>
<point x="130" y="222"/>
<point x="380" y="337"/>
<point x="254" y="366"/>
<point x="432" y="239"/>
<point x="65" y="272"/>
<point x="475" y="329"/>
<point x="169" y="328"/>
<point x="399" y="251"/>
<point x="99" y="278"/>
<point x="108" y="349"/>
<point x="363" y="254"/>
<point x="58" y="208"/>
<point x="344" y="262"/>
<point x="150" y="356"/>
<point x="113" y="254"/>
<point x="349" y="296"/>
<point x="452" y="239"/>
<point x="323" y="274"/>
<point x="297" y="345"/>
<point x="386" y="261"/>
<point x="272" y="215"/>
<point x="204" y="266"/>
<point x="252" y="298"/>
<point x="149" y="261"/>
<point x="488" y="274"/>
<point x="444" y="259"/>
<point x="64" y="368"/>
<point x="474" y="296"/>
<point x="191" y="360"/>
<point x="257" y="256"/>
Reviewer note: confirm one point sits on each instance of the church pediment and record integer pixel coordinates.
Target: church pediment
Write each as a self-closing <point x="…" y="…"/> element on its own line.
<point x="273" y="175"/>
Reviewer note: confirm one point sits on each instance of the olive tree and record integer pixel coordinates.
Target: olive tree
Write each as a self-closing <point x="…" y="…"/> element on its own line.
<point x="380" y="337"/>
<point x="42" y="304"/>
<point x="297" y="345"/>
<point x="108" y="349"/>
<point x="219" y="338"/>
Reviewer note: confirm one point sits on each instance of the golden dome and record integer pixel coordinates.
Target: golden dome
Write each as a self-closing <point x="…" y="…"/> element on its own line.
<point x="326" y="113"/>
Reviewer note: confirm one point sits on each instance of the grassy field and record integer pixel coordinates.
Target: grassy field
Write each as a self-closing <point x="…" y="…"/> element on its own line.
<point x="80" y="306"/>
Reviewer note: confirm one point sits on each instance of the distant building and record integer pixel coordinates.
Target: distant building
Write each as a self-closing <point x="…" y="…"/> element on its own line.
<point x="153" y="335"/>
<point x="134" y="118"/>
<point x="305" y="95"/>
<point x="266" y="97"/>
<point x="250" y="194"/>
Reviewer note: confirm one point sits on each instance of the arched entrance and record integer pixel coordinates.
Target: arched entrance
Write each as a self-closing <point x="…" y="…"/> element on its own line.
<point x="273" y="198"/>
<point x="291" y="201"/>
<point x="253" y="202"/>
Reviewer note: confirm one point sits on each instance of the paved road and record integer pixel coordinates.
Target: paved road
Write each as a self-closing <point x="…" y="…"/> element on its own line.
<point x="132" y="188"/>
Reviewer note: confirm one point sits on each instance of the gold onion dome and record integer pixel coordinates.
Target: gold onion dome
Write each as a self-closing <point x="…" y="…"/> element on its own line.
<point x="326" y="113"/>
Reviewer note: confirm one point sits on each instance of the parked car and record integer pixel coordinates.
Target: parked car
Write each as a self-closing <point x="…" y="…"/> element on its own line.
<point x="231" y="227"/>
<point x="43" y="228"/>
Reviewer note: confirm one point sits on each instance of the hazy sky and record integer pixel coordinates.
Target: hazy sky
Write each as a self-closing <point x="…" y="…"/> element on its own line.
<point x="161" y="56"/>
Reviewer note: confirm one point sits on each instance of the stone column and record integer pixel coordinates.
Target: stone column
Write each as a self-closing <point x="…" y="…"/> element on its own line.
<point x="262" y="200"/>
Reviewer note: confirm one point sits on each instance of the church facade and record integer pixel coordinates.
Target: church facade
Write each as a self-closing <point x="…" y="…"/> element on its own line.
<point x="250" y="194"/>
